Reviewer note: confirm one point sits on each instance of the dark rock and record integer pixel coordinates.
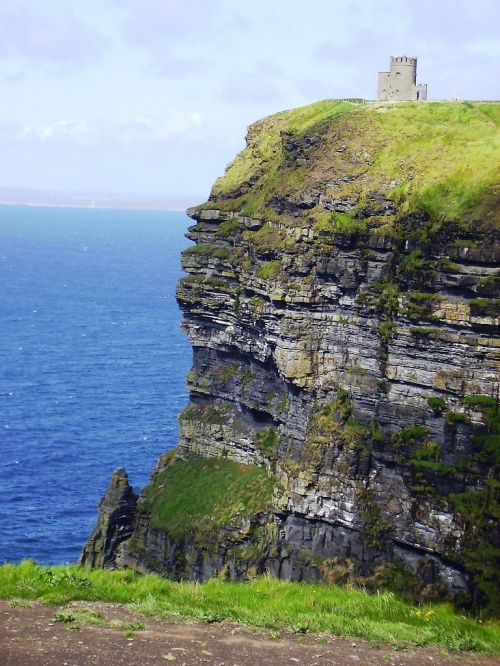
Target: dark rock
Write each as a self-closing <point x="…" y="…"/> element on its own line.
<point x="341" y="205"/>
<point x="377" y="204"/>
<point x="114" y="525"/>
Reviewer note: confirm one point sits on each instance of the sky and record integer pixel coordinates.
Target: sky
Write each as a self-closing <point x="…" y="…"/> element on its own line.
<point x="153" y="97"/>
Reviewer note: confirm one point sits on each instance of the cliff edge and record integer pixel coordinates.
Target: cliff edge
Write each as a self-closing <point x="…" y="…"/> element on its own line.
<point x="342" y="300"/>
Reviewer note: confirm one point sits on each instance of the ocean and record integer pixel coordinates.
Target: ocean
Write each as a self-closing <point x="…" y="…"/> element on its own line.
<point x="92" y="365"/>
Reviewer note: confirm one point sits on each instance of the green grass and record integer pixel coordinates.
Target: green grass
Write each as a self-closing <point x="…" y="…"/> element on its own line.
<point x="485" y="303"/>
<point x="443" y="154"/>
<point x="257" y="303"/>
<point x="456" y="417"/>
<point x="214" y="414"/>
<point x="93" y="618"/>
<point x="269" y="270"/>
<point x="481" y="401"/>
<point x="265" y="142"/>
<point x="408" y="436"/>
<point x="200" y="280"/>
<point x="202" y="250"/>
<point x="491" y="279"/>
<point x="222" y="253"/>
<point x="267" y="441"/>
<point x="429" y="451"/>
<point x="433" y="466"/>
<point x="437" y="404"/>
<point x="264" y="603"/>
<point x="194" y="498"/>
<point x="86" y="616"/>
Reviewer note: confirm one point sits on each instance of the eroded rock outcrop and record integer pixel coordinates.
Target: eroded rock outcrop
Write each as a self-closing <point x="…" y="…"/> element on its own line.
<point x="114" y="524"/>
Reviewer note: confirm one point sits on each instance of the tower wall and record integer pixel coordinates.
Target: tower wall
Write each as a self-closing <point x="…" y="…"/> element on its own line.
<point x="400" y="83"/>
<point x="384" y="79"/>
<point x="420" y="91"/>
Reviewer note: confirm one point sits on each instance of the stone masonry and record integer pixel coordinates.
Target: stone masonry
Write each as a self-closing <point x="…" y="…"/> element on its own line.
<point x="400" y="84"/>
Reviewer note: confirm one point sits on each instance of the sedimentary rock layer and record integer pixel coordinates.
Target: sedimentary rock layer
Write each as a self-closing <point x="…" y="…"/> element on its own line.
<point x="345" y="341"/>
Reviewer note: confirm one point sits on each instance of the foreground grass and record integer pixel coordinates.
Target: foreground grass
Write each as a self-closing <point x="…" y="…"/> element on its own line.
<point x="265" y="603"/>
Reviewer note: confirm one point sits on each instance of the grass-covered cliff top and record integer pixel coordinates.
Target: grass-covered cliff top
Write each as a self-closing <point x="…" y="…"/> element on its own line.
<point x="195" y="498"/>
<point x="367" y="166"/>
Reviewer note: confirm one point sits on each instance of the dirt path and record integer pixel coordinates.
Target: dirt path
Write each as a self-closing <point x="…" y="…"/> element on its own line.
<point x="30" y="637"/>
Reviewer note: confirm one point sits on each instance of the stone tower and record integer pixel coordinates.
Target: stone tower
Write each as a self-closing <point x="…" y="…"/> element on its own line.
<point x="400" y="83"/>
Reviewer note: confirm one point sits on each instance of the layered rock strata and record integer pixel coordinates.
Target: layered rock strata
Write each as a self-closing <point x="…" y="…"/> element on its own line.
<point x="356" y="362"/>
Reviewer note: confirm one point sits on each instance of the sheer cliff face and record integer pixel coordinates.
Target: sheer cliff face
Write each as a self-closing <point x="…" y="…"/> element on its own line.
<point x="345" y="340"/>
<point x="352" y="389"/>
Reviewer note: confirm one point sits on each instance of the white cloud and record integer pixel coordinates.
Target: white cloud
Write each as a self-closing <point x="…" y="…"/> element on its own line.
<point x="78" y="131"/>
<point x="176" y="124"/>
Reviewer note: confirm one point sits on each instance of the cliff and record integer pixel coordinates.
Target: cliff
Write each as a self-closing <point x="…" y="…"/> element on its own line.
<point x="342" y="300"/>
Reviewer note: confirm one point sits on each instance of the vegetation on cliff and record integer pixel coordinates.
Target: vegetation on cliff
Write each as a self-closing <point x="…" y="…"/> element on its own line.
<point x="264" y="602"/>
<point x="195" y="498"/>
<point x="342" y="300"/>
<point x="362" y="239"/>
<point x="370" y="167"/>
<point x="480" y="511"/>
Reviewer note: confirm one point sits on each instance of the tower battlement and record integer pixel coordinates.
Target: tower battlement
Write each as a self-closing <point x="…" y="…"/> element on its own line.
<point x="404" y="60"/>
<point x="400" y="83"/>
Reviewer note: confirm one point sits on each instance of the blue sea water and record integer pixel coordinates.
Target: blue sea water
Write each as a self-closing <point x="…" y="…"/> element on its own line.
<point x="92" y="365"/>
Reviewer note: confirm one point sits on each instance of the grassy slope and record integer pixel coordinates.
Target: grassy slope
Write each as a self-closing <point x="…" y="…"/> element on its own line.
<point x="264" y="602"/>
<point x="194" y="498"/>
<point x="446" y="155"/>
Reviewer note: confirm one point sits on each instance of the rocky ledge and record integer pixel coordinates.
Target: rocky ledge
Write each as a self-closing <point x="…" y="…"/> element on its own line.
<point x="342" y="300"/>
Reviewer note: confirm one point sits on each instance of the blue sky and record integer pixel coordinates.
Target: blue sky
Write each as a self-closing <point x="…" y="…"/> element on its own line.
<point x="153" y="97"/>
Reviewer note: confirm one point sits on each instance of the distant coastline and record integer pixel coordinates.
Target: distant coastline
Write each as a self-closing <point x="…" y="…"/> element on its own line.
<point x="39" y="198"/>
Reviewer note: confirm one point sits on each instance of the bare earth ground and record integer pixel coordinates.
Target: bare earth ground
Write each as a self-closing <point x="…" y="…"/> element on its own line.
<point x="30" y="637"/>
